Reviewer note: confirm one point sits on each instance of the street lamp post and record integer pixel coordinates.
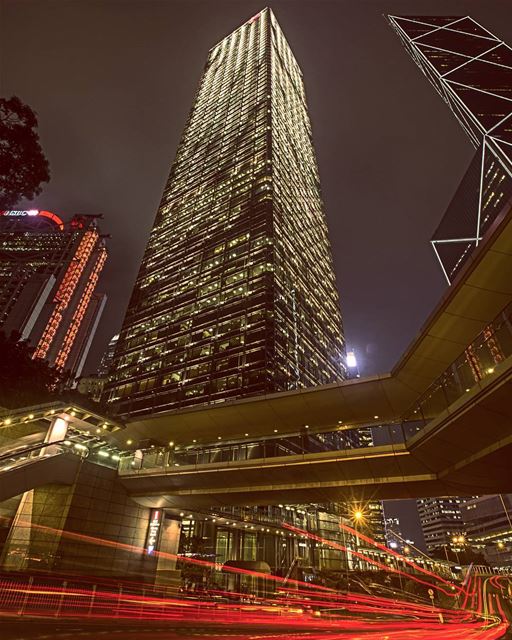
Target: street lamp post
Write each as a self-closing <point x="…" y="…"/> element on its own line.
<point x="458" y="540"/>
<point x="346" y="552"/>
<point x="358" y="517"/>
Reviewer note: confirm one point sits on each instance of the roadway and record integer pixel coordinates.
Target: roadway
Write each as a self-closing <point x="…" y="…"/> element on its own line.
<point x="483" y="616"/>
<point x="91" y="631"/>
<point x="425" y="605"/>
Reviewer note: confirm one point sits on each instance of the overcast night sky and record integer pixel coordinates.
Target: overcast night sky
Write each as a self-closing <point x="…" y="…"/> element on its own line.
<point x="112" y="83"/>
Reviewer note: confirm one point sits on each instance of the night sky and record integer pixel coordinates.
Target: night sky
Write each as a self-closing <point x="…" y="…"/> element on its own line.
<point x="112" y="83"/>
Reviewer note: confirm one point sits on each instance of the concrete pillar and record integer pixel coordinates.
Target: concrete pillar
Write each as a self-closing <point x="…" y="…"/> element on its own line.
<point x="57" y="431"/>
<point x="166" y="572"/>
<point x="17" y="549"/>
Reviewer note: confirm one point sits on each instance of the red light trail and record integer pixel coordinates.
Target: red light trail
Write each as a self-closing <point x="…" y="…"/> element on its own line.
<point x="172" y="556"/>
<point x="376" y="563"/>
<point x="293" y="605"/>
<point x="422" y="622"/>
<point x="400" y="557"/>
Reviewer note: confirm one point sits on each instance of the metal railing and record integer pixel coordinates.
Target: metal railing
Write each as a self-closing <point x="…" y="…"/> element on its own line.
<point x="486" y="356"/>
<point x="483" y="358"/>
<point x="76" y="444"/>
<point x="170" y="459"/>
<point x="57" y="597"/>
<point x="29" y="455"/>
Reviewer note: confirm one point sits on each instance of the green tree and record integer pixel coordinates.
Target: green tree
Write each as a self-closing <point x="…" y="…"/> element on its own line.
<point x="464" y="556"/>
<point x="23" y="380"/>
<point x="23" y="166"/>
<point x="192" y="574"/>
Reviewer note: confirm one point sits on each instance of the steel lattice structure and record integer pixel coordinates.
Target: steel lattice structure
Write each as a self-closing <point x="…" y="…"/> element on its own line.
<point x="472" y="71"/>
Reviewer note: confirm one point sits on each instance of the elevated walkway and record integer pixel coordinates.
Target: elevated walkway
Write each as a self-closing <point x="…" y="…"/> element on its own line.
<point x="465" y="450"/>
<point x="22" y="469"/>
<point x="449" y="396"/>
<point x="481" y="290"/>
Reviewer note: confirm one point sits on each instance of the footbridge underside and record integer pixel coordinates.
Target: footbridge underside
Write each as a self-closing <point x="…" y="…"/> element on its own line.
<point x="26" y="474"/>
<point x="465" y="451"/>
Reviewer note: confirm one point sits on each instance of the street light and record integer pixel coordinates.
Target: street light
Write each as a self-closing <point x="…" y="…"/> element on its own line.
<point x="358" y="515"/>
<point x="352" y="365"/>
<point x="501" y="545"/>
<point x="458" y="540"/>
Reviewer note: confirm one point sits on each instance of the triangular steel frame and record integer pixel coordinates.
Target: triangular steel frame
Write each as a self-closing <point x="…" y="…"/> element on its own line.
<point x="480" y="135"/>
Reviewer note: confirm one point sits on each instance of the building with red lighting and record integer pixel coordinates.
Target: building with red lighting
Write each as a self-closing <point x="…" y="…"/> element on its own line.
<point x="49" y="271"/>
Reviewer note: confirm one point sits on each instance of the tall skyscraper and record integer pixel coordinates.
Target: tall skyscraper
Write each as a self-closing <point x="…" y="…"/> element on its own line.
<point x="49" y="271"/>
<point x="236" y="294"/>
<point x="471" y="69"/>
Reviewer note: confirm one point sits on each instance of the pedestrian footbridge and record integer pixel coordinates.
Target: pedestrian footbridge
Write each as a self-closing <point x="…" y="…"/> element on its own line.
<point x="440" y="421"/>
<point x="466" y="450"/>
<point x="28" y="467"/>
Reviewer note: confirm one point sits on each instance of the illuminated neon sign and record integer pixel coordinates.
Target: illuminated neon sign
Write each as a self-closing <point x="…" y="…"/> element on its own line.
<point x="18" y="213"/>
<point x="155" y="520"/>
<point x="30" y="212"/>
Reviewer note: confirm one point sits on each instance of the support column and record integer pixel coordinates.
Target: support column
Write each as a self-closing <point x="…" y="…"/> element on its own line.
<point x="47" y="505"/>
<point x="166" y="572"/>
<point x="56" y="433"/>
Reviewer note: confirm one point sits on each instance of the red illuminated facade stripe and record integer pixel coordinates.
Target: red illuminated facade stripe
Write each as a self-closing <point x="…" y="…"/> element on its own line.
<point x="66" y="291"/>
<point x="80" y="311"/>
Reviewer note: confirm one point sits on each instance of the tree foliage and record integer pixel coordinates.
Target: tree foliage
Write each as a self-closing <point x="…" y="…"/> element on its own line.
<point x="464" y="556"/>
<point x="23" y="166"/>
<point x="195" y="546"/>
<point x="25" y="381"/>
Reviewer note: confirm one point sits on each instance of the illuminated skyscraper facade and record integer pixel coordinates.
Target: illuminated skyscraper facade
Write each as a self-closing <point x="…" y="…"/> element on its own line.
<point x="441" y="522"/>
<point x="49" y="272"/>
<point x="488" y="521"/>
<point x="236" y="294"/>
<point x="471" y="69"/>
